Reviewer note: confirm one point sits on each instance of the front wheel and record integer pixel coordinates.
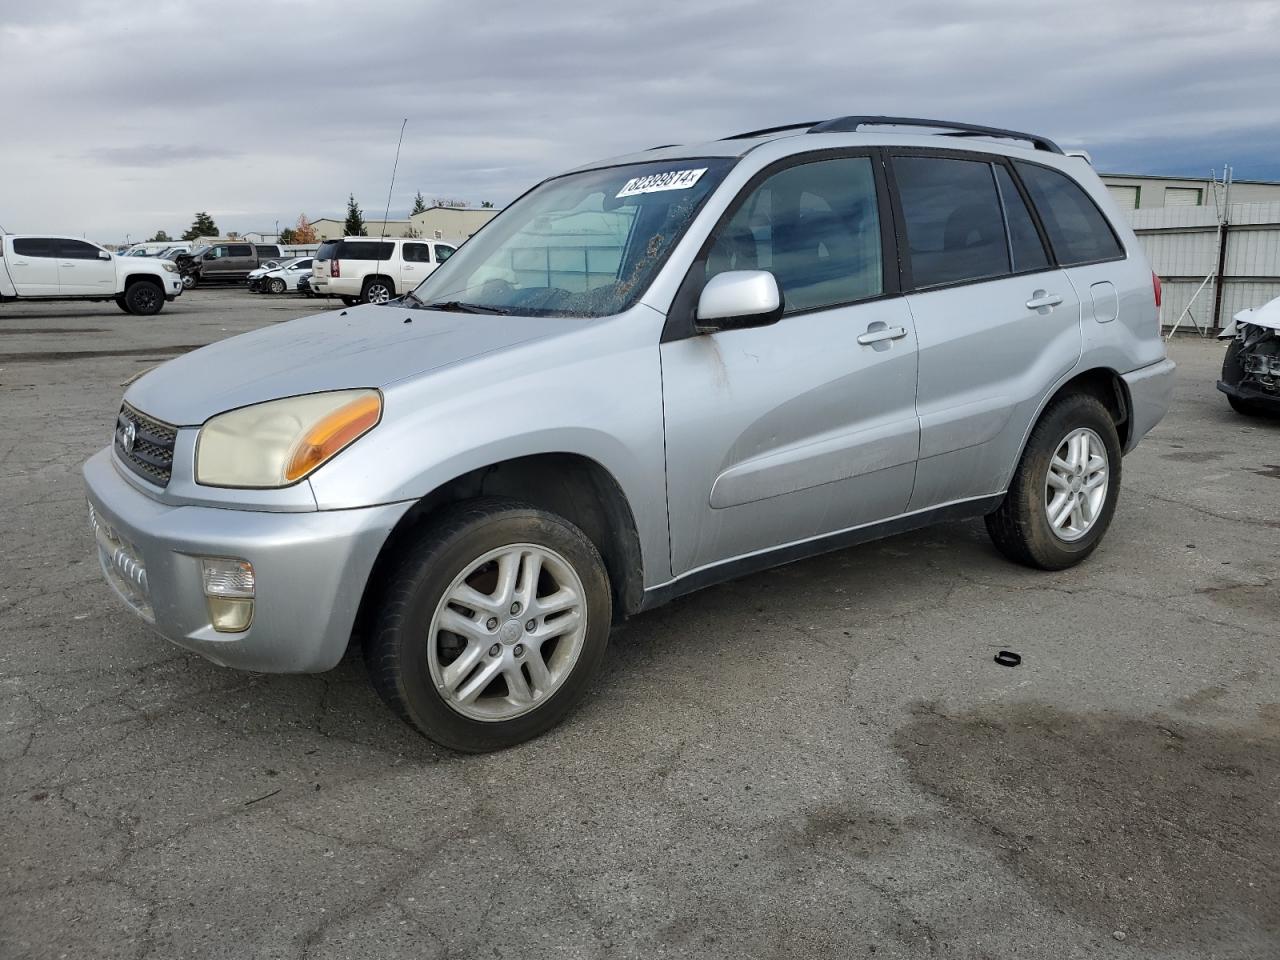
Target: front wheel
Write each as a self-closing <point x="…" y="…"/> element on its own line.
<point x="1063" y="495"/>
<point x="492" y="626"/>
<point x="189" y="281"/>
<point x="144" y="298"/>
<point x="277" y="285"/>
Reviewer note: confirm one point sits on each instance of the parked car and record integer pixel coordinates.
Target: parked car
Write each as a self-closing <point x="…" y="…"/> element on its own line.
<point x="286" y="276"/>
<point x="365" y="270"/>
<point x="1251" y="367"/>
<point x="304" y="286"/>
<point x="254" y="279"/>
<point x="647" y="375"/>
<point x="44" y="267"/>
<point x="229" y="262"/>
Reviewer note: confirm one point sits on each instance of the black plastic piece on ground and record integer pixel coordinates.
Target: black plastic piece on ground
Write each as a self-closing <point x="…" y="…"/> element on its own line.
<point x="1007" y="658"/>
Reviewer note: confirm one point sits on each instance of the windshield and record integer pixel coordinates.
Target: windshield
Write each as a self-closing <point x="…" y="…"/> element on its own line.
<point x="583" y="245"/>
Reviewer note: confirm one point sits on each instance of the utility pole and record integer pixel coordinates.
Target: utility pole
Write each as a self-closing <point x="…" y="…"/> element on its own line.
<point x="1224" y="222"/>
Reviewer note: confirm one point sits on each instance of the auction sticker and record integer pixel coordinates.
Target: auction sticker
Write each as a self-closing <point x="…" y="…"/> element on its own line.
<point x="654" y="182"/>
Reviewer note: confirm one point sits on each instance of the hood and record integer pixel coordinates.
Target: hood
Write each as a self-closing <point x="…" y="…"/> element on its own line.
<point x="367" y="346"/>
<point x="1267" y="315"/>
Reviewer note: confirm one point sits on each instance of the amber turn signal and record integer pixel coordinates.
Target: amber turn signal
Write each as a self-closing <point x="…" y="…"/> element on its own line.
<point x="334" y="433"/>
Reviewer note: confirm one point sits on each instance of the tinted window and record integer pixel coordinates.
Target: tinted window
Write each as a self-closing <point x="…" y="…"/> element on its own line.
<point x="33" y="247"/>
<point x="955" y="230"/>
<point x="239" y="250"/>
<point x="416" y="253"/>
<point x="443" y="252"/>
<point x="358" y="250"/>
<point x="1077" y="229"/>
<point x="268" y="251"/>
<point x="816" y="227"/>
<point x="77" y="250"/>
<point x="1025" y="246"/>
<point x="301" y="265"/>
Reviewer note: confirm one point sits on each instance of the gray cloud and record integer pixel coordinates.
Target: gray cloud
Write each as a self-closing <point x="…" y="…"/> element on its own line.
<point x="256" y="111"/>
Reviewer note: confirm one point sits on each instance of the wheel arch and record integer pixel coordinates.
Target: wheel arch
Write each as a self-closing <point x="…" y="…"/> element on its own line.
<point x="574" y="486"/>
<point x="1102" y="383"/>
<point x="133" y="278"/>
<point x="390" y="281"/>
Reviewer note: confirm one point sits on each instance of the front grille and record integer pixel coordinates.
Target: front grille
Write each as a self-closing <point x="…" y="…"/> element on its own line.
<point x="149" y="452"/>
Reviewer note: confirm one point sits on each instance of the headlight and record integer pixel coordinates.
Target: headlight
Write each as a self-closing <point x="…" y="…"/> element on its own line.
<point x="169" y="267"/>
<point x="277" y="443"/>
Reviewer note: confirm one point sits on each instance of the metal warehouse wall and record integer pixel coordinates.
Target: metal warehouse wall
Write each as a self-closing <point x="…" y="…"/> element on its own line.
<point x="1182" y="243"/>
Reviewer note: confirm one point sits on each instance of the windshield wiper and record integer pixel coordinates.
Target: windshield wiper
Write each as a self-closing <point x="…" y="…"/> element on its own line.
<point x="457" y="306"/>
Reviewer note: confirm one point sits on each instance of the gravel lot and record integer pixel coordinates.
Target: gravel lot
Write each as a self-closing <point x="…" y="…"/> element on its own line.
<point x="820" y="761"/>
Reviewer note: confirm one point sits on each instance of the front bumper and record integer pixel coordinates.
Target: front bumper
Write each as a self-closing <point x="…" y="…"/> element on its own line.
<point x="1150" y="394"/>
<point x="172" y="286"/>
<point x="311" y="570"/>
<point x="1241" y="392"/>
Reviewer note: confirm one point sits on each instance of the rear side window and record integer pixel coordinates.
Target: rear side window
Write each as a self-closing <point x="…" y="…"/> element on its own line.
<point x="357" y="250"/>
<point x="816" y="227"/>
<point x="239" y="250"/>
<point x="268" y="251"/>
<point x="77" y="250"/>
<point x="1025" y="247"/>
<point x="954" y="223"/>
<point x="1077" y="229"/>
<point x="34" y="247"/>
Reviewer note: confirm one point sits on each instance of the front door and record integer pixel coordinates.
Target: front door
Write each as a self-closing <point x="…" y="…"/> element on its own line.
<point x="786" y="432"/>
<point x="83" y="271"/>
<point x="998" y="323"/>
<point x="33" y="266"/>
<point x="415" y="264"/>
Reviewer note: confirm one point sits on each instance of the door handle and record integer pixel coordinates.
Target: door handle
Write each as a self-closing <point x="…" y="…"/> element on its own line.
<point x="1040" y="300"/>
<point x="70" y="266"/>
<point x="884" y="333"/>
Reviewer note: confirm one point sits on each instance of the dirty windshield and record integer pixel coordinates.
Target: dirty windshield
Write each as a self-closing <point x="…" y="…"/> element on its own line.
<point x="585" y="245"/>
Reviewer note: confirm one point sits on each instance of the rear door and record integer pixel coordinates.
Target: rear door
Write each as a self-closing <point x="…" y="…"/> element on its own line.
<point x="84" y="269"/>
<point x="33" y="266"/>
<point x="783" y="433"/>
<point x="998" y="323"/>
<point x="416" y="264"/>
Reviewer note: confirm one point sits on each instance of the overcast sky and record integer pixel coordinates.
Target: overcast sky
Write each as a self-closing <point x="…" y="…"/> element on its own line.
<point x="126" y="117"/>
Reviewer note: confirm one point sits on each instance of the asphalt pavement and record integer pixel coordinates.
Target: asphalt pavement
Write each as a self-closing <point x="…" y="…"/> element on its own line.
<point x="818" y="761"/>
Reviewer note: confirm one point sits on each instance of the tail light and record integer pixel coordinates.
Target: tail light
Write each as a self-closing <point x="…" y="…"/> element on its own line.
<point x="336" y="271"/>
<point x="1155" y="283"/>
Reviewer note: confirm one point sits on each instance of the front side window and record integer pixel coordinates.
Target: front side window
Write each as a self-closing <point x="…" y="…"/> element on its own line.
<point x="586" y="244"/>
<point x="1077" y="229"/>
<point x="417" y="253"/>
<point x="815" y="227"/>
<point x="34" y="247"/>
<point x="443" y="252"/>
<point x="77" y="250"/>
<point x="954" y="224"/>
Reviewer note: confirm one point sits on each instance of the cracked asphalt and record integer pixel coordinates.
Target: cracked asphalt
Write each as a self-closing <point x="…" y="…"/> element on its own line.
<point x="819" y="761"/>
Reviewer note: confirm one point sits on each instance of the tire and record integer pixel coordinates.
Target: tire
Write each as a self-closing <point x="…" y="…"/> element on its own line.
<point x="144" y="298"/>
<point x="1020" y="527"/>
<point x="277" y="286"/>
<point x="377" y="290"/>
<point x="1232" y="374"/>
<point x="350" y="301"/>
<point x="189" y="281"/>
<point x="408" y="654"/>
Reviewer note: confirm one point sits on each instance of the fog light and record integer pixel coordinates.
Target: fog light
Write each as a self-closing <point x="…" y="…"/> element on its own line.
<point x="230" y="615"/>
<point x="228" y="588"/>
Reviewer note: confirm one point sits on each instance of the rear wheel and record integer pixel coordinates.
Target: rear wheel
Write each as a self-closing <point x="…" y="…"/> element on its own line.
<point x="377" y="290"/>
<point x="144" y="298"/>
<point x="1064" y="492"/>
<point x="492" y="626"/>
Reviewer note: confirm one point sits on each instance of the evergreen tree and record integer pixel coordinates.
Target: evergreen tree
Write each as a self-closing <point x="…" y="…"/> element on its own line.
<point x="201" y="226"/>
<point x="354" y="227"/>
<point x="160" y="237"/>
<point x="288" y="235"/>
<point x="419" y="204"/>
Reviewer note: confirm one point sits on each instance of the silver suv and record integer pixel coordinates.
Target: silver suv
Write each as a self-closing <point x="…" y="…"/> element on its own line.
<point x="647" y="375"/>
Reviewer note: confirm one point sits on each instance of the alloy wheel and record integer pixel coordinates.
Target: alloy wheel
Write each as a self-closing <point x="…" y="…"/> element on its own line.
<point x="1076" y="484"/>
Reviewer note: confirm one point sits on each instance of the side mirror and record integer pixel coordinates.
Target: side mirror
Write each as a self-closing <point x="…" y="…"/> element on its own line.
<point x="103" y="255"/>
<point x="738" y="299"/>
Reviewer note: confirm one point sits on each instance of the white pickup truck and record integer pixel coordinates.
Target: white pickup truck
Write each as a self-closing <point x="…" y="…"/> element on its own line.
<point x="65" y="268"/>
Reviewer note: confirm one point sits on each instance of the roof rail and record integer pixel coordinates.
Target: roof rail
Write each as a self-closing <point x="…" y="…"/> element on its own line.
<point x="752" y="134"/>
<point x="851" y="125"/>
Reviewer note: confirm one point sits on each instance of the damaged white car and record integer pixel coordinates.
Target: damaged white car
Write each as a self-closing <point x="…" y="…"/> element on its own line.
<point x="1251" y="368"/>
